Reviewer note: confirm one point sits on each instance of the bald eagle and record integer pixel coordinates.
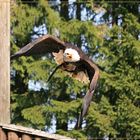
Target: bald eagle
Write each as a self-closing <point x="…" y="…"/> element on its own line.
<point x="69" y="58"/>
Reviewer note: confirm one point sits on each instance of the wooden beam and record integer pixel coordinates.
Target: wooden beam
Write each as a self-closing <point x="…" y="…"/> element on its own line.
<point x="4" y="61"/>
<point x="25" y="132"/>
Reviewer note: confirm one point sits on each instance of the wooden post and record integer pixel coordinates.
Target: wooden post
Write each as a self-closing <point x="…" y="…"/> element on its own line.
<point x="12" y="136"/>
<point x="26" y="137"/>
<point x="2" y="134"/>
<point x="4" y="61"/>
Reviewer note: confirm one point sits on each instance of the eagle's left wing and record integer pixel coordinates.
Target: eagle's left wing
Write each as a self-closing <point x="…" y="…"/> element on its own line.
<point x="93" y="74"/>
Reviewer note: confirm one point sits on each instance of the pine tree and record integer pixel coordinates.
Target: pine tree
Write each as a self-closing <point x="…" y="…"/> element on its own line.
<point x="112" y="42"/>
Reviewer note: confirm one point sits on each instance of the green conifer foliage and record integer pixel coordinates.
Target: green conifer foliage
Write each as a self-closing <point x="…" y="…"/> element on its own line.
<point x="112" y="42"/>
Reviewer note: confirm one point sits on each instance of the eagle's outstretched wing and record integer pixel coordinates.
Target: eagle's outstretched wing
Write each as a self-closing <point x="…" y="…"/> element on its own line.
<point x="42" y="45"/>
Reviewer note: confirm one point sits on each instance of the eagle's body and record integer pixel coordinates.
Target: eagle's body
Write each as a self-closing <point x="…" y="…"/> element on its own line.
<point x="69" y="58"/>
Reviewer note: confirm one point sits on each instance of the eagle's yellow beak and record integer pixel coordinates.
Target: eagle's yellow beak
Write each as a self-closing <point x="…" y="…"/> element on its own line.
<point x="67" y="55"/>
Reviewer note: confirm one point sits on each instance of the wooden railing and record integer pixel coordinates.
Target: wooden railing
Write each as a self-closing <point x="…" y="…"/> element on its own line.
<point x="14" y="132"/>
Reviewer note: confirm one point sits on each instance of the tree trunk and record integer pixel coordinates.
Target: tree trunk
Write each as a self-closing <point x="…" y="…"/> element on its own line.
<point x="64" y="12"/>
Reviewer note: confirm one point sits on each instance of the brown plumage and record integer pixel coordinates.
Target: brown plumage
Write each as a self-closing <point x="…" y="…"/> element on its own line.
<point x="69" y="58"/>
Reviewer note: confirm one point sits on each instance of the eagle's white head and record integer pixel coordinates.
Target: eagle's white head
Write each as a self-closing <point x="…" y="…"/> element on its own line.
<point x="71" y="55"/>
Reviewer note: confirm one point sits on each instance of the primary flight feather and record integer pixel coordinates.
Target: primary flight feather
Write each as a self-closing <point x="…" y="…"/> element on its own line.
<point x="69" y="58"/>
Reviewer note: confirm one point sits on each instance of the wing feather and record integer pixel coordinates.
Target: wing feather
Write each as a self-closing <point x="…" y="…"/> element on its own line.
<point x="42" y="45"/>
<point x="93" y="73"/>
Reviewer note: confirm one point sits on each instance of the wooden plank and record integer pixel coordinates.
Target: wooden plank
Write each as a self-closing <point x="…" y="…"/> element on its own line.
<point x="5" y="61"/>
<point x="12" y="136"/>
<point x="34" y="132"/>
<point x="2" y="134"/>
<point x="26" y="137"/>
